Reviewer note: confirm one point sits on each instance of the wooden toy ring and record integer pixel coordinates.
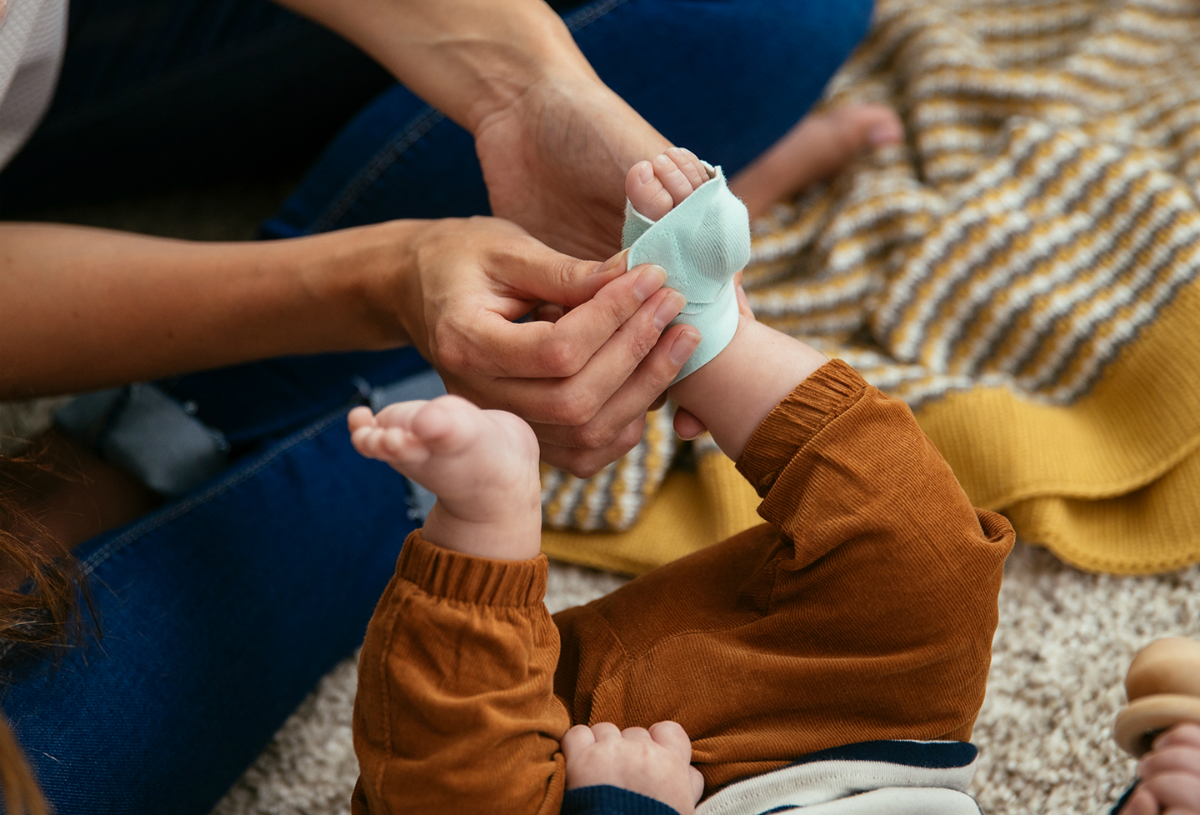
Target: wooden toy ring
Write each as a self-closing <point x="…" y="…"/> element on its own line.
<point x="1139" y="724"/>
<point x="1163" y="686"/>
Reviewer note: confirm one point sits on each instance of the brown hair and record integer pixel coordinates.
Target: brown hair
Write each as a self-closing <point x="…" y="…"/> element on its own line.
<point x="46" y="615"/>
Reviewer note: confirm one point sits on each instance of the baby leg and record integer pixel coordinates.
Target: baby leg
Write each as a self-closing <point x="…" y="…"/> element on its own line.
<point x="864" y="611"/>
<point x="819" y="146"/>
<point x="455" y="709"/>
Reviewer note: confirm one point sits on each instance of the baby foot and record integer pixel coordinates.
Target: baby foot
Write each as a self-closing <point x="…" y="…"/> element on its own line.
<point x="656" y="187"/>
<point x="481" y="465"/>
<point x="818" y="146"/>
<point x="1170" y="775"/>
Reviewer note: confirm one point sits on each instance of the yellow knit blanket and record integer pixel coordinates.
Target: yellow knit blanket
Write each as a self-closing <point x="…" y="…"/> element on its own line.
<point x="1023" y="273"/>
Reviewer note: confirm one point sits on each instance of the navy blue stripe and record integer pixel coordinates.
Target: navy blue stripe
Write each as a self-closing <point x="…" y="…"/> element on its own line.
<point x="933" y="755"/>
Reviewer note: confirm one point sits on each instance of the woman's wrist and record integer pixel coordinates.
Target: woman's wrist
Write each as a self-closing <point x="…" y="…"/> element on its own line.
<point x="467" y="58"/>
<point x="357" y="278"/>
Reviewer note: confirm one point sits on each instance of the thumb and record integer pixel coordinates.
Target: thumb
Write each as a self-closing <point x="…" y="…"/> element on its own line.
<point x="557" y="278"/>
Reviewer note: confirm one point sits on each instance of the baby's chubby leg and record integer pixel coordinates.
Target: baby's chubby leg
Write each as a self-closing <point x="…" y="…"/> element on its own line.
<point x="481" y="465"/>
<point x="455" y="710"/>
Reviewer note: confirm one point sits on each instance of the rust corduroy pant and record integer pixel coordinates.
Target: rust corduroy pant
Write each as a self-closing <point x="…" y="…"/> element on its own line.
<point x="863" y="609"/>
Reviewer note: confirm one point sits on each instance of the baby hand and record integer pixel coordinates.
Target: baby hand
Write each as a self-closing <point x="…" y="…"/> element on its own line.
<point x="655" y="762"/>
<point x="1170" y="775"/>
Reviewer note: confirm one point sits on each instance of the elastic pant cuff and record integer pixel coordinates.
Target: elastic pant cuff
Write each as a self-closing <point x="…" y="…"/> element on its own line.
<point x="469" y="579"/>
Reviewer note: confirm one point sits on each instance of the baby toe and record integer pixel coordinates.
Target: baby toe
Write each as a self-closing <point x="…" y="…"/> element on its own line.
<point x="646" y="192"/>
<point x="690" y="165"/>
<point x="674" y="180"/>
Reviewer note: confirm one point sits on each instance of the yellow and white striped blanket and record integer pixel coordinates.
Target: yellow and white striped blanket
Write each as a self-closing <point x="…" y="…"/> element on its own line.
<point x="1023" y="272"/>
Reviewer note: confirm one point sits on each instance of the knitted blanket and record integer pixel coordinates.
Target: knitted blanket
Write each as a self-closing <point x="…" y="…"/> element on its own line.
<point x="1023" y="272"/>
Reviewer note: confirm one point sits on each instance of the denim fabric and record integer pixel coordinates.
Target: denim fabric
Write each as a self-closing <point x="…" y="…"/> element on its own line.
<point x="221" y="610"/>
<point x="724" y="78"/>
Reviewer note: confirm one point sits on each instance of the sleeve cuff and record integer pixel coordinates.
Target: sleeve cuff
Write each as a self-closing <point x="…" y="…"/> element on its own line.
<point x="823" y="396"/>
<point x="609" y="800"/>
<point x="479" y="581"/>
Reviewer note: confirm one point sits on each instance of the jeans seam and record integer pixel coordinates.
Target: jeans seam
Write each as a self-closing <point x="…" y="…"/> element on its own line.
<point x="587" y="16"/>
<point x="386" y="157"/>
<point x="139" y="530"/>
<point x="416" y="130"/>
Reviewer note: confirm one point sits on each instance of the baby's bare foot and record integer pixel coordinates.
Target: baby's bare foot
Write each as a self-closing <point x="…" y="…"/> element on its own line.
<point x="657" y="186"/>
<point x="481" y="465"/>
<point x="819" y="146"/>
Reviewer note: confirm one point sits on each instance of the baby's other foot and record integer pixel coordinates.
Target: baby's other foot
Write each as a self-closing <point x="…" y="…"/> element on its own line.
<point x="657" y="186"/>
<point x="481" y="465"/>
<point x="819" y="146"/>
<point x="1170" y="775"/>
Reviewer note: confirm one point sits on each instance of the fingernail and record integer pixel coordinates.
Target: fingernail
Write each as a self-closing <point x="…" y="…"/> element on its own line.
<point x="649" y="281"/>
<point x="661" y="160"/>
<point x="616" y="261"/>
<point x="645" y="172"/>
<point x="668" y="310"/>
<point x="684" y="347"/>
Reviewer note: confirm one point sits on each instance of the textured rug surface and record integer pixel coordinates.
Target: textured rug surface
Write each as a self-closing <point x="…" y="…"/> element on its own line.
<point x="1060" y="655"/>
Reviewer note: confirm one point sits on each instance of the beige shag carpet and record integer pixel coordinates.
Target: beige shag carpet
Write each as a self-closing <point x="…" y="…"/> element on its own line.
<point x="1059" y="659"/>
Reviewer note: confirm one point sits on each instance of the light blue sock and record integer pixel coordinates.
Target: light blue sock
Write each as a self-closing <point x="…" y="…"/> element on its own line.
<point x="702" y="244"/>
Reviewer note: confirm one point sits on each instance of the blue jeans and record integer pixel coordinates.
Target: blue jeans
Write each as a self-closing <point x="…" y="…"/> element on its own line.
<point x="221" y="610"/>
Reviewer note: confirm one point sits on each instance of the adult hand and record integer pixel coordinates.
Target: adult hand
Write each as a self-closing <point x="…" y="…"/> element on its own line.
<point x="554" y="141"/>
<point x="555" y="160"/>
<point x="583" y="381"/>
<point x="655" y="762"/>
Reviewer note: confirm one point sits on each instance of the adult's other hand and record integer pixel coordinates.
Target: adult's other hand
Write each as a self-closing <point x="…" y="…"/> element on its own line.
<point x="555" y="160"/>
<point x="583" y="380"/>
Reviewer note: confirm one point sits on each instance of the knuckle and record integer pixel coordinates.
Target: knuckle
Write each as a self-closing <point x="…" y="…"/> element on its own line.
<point x="451" y="349"/>
<point x="594" y="436"/>
<point x="641" y="343"/>
<point x="573" y="409"/>
<point x="619" y="305"/>
<point x="585" y="467"/>
<point x="559" y="358"/>
<point x="629" y="436"/>
<point x="567" y="271"/>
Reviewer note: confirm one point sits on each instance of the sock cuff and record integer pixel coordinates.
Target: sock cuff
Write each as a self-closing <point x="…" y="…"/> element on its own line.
<point x="702" y="244"/>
